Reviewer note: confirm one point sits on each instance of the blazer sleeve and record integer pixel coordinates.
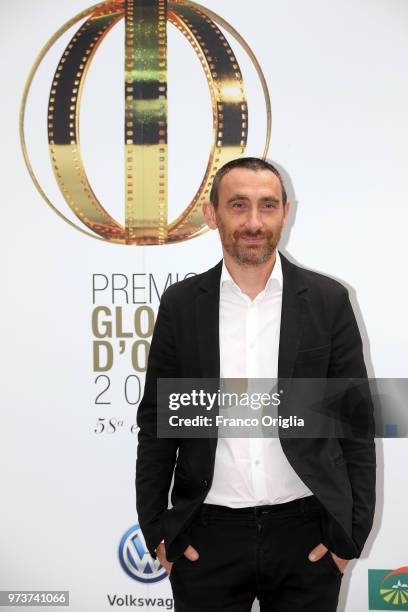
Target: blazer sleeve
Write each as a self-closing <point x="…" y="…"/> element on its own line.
<point x="358" y="446"/>
<point x="155" y="456"/>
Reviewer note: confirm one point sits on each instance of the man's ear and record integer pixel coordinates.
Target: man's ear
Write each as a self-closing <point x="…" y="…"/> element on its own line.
<point x="209" y="214"/>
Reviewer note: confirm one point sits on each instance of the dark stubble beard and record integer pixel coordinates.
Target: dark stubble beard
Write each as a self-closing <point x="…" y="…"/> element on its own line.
<point x="252" y="255"/>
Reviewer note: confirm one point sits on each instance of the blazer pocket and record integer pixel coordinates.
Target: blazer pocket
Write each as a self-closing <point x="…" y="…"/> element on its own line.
<point x="318" y="352"/>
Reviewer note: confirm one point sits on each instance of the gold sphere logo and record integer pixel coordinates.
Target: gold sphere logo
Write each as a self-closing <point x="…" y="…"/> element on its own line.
<point x="145" y="129"/>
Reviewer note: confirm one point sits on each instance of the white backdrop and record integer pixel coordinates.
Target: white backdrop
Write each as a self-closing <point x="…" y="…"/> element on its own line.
<point x="337" y="76"/>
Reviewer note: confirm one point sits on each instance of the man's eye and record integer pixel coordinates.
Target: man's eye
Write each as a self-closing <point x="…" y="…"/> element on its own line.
<point x="269" y="205"/>
<point x="237" y="204"/>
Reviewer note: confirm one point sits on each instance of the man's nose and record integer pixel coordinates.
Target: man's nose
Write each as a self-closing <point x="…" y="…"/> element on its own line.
<point x="254" y="220"/>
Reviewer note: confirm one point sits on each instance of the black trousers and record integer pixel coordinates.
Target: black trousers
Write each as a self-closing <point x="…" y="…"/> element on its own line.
<point x="259" y="552"/>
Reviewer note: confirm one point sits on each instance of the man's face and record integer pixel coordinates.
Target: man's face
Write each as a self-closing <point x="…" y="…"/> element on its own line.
<point x="250" y="215"/>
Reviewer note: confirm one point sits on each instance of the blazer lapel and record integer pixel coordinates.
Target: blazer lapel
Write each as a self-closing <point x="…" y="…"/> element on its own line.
<point x="292" y="317"/>
<point x="207" y="305"/>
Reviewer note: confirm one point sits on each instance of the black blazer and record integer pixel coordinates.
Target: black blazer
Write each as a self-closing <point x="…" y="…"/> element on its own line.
<point x="319" y="338"/>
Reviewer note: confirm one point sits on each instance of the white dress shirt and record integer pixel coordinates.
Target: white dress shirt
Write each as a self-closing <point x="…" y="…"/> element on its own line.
<point x="251" y="471"/>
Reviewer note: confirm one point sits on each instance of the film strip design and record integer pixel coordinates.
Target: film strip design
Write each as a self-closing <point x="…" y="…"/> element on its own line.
<point x="145" y="129"/>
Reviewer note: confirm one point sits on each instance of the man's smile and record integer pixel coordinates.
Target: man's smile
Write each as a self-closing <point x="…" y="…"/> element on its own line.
<point x="253" y="239"/>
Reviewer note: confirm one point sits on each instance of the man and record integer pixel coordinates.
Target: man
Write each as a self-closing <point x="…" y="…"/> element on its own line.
<point x="275" y="519"/>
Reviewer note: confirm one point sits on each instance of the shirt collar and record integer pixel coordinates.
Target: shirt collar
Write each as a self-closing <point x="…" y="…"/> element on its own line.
<point x="274" y="282"/>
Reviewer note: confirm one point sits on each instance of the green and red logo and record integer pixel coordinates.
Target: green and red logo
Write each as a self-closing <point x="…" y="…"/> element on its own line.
<point x="388" y="589"/>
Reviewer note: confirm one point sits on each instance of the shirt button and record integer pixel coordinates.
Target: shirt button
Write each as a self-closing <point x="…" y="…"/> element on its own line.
<point x="257" y="462"/>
